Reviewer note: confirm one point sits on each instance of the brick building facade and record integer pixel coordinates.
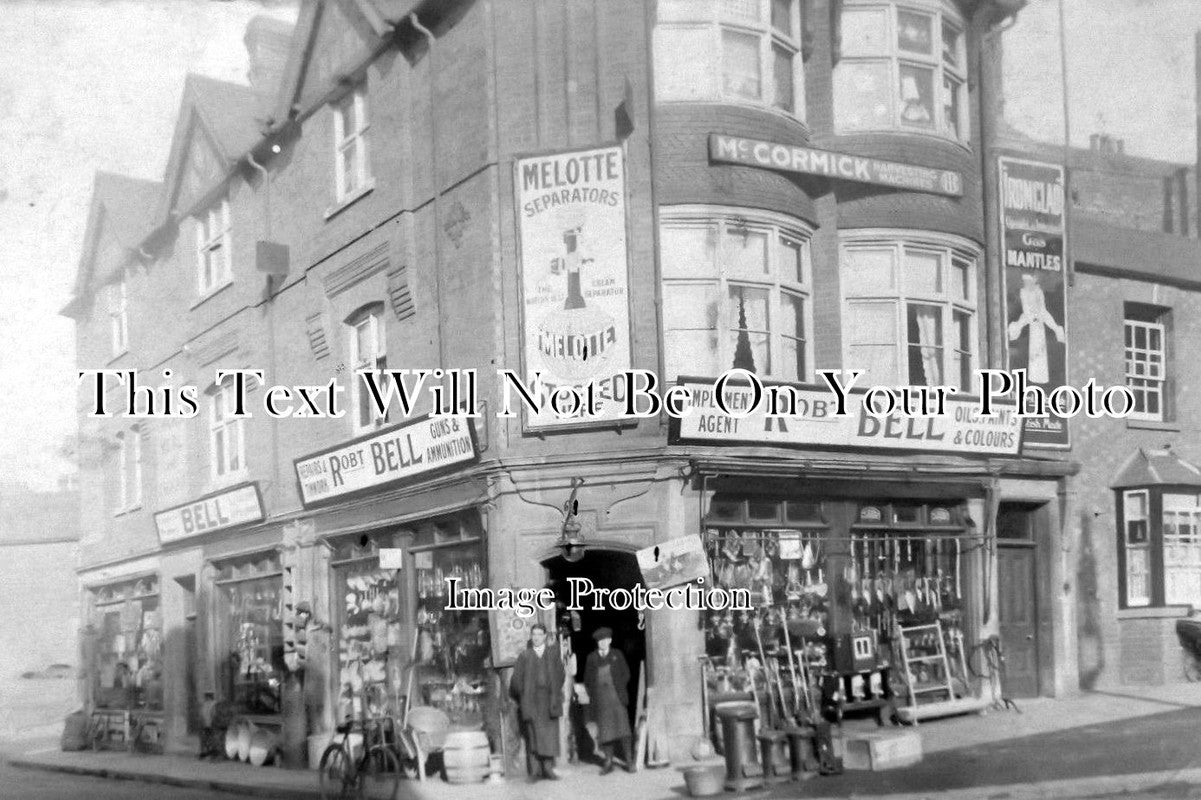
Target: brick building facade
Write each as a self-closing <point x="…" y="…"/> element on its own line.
<point x="363" y="213"/>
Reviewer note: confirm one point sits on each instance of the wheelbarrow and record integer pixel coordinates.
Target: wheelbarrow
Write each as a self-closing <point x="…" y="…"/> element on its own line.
<point x="1188" y="631"/>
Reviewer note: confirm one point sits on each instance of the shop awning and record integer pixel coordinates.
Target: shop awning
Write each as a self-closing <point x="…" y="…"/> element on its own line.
<point x="1156" y="468"/>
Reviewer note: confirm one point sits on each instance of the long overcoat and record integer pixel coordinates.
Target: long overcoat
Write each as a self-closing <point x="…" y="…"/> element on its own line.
<point x="610" y="702"/>
<point x="537" y="686"/>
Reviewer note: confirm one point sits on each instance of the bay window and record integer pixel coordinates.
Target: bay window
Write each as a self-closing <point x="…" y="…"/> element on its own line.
<point x="901" y="67"/>
<point x="736" y="293"/>
<point x="742" y="51"/>
<point x="1159" y="546"/>
<point x="909" y="310"/>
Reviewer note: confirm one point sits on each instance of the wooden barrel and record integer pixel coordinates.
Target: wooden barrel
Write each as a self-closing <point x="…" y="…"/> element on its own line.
<point x="262" y="747"/>
<point x="231" y="741"/>
<point x="466" y="757"/>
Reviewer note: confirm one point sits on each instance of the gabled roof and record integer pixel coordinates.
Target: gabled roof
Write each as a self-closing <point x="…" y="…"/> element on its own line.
<point x="1156" y="468"/>
<point x="122" y="209"/>
<point x="222" y="113"/>
<point x="381" y="16"/>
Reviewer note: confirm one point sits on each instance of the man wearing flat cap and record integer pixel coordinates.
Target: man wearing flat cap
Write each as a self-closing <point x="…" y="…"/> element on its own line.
<point x="606" y="676"/>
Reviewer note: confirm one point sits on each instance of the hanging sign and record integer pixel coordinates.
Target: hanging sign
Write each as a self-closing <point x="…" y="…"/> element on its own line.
<point x="961" y="430"/>
<point x="218" y="511"/>
<point x="1032" y="241"/>
<point x="810" y="161"/>
<point x="671" y="563"/>
<point x="572" y="256"/>
<point x="395" y="455"/>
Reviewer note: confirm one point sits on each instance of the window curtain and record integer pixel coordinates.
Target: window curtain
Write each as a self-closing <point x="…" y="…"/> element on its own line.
<point x="928" y="344"/>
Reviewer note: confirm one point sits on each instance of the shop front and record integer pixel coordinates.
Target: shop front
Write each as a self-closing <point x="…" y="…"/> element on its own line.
<point x="123" y="661"/>
<point x="863" y="594"/>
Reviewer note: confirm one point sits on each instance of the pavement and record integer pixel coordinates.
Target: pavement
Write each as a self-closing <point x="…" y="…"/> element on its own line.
<point x="1133" y="742"/>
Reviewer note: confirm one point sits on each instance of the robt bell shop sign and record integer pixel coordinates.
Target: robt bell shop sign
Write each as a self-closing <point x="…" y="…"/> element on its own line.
<point x="961" y="429"/>
<point x="395" y="455"/>
<point x="239" y="505"/>
<point x="572" y="256"/>
<point x="1032" y="241"/>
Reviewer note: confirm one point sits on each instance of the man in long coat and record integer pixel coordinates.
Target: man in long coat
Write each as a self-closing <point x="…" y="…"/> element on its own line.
<point x="537" y="686"/>
<point x="606" y="676"/>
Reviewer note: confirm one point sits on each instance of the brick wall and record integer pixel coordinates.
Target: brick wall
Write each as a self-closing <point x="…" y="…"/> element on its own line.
<point x="1110" y="651"/>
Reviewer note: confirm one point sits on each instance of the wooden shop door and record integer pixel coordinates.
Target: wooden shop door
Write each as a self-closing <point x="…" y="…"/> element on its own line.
<point x="1018" y="618"/>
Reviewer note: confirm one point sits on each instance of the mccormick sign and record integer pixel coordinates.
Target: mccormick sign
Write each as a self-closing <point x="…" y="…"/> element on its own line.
<point x="214" y="512"/>
<point x="807" y="160"/>
<point x="392" y="456"/>
<point x="961" y="430"/>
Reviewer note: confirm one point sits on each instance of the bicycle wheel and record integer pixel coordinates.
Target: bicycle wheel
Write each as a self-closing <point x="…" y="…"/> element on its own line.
<point x="380" y="775"/>
<point x="337" y="774"/>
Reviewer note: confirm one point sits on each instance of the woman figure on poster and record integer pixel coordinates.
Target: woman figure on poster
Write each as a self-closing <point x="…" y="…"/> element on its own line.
<point x="606" y="676"/>
<point x="1036" y="319"/>
<point x="537" y="686"/>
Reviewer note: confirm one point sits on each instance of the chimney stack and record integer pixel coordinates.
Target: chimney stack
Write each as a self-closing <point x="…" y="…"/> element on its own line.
<point x="267" y="43"/>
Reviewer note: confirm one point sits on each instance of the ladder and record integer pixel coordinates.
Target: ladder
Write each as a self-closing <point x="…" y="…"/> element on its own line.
<point x="924" y="654"/>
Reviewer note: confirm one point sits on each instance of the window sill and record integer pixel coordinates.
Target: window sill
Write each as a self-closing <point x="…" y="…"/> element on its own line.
<point x="350" y="200"/>
<point x="1152" y="425"/>
<point x="730" y="101"/>
<point x="925" y="134"/>
<point x="1154" y="612"/>
<point x="227" y="480"/>
<point x="209" y="295"/>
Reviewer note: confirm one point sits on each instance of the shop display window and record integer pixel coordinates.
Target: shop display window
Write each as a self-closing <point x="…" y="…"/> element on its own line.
<point x="371" y="635"/>
<point x="249" y="627"/>
<point x="453" y="647"/>
<point x="831" y="584"/>
<point x="397" y="640"/>
<point x="128" y="664"/>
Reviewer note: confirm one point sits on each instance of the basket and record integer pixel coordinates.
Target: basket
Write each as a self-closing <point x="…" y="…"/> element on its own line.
<point x="704" y="781"/>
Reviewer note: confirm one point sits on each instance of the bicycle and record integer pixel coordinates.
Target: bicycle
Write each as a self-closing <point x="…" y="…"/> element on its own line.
<point x="375" y="774"/>
<point x="995" y="661"/>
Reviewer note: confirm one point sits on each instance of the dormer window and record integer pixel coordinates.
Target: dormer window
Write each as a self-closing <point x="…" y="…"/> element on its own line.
<point x="118" y="316"/>
<point x="213" y="258"/>
<point x="351" y="175"/>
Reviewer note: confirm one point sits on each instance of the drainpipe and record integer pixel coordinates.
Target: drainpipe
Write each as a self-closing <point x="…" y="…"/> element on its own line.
<point x="994" y="273"/>
<point x="429" y="38"/>
<point x="270" y="314"/>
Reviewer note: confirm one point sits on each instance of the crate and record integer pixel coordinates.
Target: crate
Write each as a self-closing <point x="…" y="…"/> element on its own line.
<point x="882" y="750"/>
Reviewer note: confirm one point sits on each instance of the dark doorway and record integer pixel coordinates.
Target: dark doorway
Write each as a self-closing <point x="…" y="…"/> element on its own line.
<point x="191" y="652"/>
<point x="608" y="569"/>
<point x="1017" y="585"/>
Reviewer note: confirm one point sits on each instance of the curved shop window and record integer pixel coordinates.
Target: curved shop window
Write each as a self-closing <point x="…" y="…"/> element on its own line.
<point x="909" y="309"/>
<point x="736" y="293"/>
<point x="127" y="655"/>
<point x="740" y="51"/>
<point x="901" y="67"/>
<point x="250" y="632"/>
